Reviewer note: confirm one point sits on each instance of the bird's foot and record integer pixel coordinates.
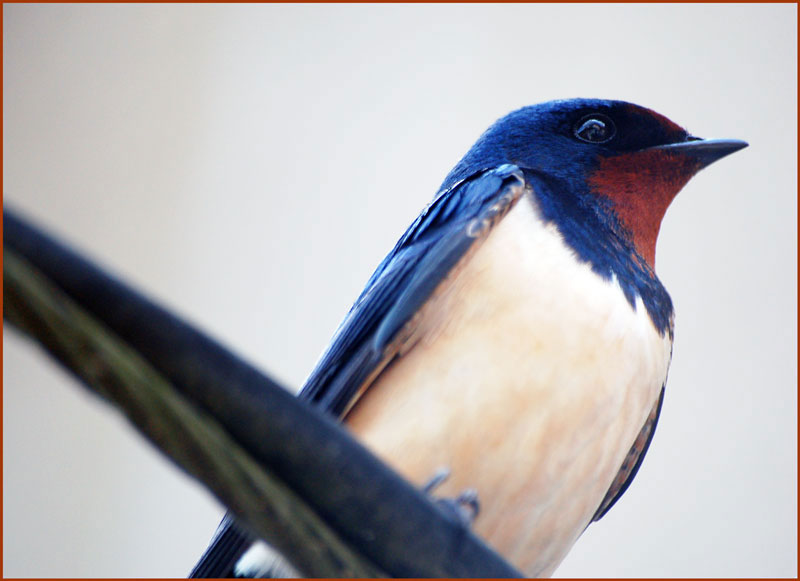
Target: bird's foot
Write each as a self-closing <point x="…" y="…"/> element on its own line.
<point x="464" y="508"/>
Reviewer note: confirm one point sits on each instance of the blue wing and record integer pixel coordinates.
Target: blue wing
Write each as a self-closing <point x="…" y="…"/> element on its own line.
<point x="382" y="318"/>
<point x="374" y="329"/>
<point x="630" y="466"/>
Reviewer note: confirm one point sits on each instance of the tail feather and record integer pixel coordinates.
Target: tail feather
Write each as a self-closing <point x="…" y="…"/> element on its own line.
<point x="227" y="546"/>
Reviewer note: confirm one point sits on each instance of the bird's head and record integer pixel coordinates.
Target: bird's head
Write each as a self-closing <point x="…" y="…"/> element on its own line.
<point x="628" y="159"/>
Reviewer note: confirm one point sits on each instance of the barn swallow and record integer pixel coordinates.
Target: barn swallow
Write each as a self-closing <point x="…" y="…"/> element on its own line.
<point x="517" y="334"/>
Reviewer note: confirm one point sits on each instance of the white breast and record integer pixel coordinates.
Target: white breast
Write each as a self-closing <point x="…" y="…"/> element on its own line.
<point x="530" y="381"/>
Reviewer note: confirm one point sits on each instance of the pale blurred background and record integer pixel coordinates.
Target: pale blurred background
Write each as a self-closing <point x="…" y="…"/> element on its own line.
<point x="248" y="166"/>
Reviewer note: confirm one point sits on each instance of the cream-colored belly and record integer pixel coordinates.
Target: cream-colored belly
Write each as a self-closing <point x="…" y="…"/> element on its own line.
<point x="530" y="381"/>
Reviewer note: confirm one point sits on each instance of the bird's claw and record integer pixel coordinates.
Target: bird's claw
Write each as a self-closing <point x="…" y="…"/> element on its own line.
<point x="436" y="480"/>
<point x="464" y="508"/>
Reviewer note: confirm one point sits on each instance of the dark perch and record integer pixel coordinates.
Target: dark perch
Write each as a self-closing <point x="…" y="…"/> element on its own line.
<point x="288" y="471"/>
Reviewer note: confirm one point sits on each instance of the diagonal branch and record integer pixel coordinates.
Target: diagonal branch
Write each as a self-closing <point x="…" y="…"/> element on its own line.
<point x="288" y="471"/>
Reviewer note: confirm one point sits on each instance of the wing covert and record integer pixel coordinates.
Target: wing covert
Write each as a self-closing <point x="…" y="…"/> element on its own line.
<point x="367" y="340"/>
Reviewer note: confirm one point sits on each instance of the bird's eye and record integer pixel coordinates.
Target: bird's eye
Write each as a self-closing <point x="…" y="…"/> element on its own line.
<point x="595" y="128"/>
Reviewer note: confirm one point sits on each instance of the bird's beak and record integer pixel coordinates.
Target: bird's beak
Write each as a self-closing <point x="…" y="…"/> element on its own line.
<point x="642" y="184"/>
<point x="703" y="151"/>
